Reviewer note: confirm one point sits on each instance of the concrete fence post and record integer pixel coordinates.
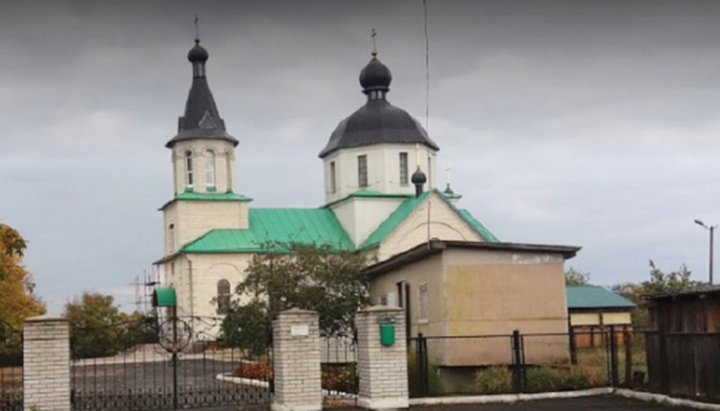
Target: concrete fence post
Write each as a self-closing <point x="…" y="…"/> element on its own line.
<point x="382" y="358"/>
<point x="46" y="364"/>
<point x="296" y="361"/>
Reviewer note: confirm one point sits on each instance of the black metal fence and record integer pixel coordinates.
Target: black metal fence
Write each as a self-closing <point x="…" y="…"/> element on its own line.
<point x="519" y="362"/>
<point x="183" y="369"/>
<point x="338" y="363"/>
<point x="11" y="369"/>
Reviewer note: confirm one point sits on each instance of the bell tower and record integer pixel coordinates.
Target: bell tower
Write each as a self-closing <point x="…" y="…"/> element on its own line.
<point x="203" y="160"/>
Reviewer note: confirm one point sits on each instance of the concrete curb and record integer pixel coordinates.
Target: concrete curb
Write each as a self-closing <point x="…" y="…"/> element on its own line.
<point x="660" y="398"/>
<point x="509" y="398"/>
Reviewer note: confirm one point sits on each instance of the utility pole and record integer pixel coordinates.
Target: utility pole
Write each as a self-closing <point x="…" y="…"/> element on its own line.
<point x="711" y="229"/>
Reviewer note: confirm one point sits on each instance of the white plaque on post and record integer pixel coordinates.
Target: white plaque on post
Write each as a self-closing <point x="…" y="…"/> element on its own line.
<point x="299" y="330"/>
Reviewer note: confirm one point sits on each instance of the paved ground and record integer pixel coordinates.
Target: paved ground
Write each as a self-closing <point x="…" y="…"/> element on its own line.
<point x="596" y="403"/>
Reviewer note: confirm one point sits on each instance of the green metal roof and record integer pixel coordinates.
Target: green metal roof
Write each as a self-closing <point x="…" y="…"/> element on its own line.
<point x="593" y="296"/>
<point x="369" y="194"/>
<point x="475" y="224"/>
<point x="228" y="196"/>
<point x="404" y="210"/>
<point x="302" y="225"/>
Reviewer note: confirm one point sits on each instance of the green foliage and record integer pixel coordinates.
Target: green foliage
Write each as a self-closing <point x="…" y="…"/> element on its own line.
<point x="300" y="276"/>
<point x="248" y="326"/>
<point x="17" y="301"/>
<point x="659" y="283"/>
<point x="494" y="380"/>
<point x="98" y="328"/>
<point x="545" y="378"/>
<point x="576" y="277"/>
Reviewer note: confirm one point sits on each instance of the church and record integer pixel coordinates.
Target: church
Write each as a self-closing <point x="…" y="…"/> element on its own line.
<point x="379" y="166"/>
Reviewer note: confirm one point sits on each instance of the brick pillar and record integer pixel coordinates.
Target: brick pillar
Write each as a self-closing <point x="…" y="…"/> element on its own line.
<point x="46" y="364"/>
<point x="296" y="361"/>
<point x="382" y="368"/>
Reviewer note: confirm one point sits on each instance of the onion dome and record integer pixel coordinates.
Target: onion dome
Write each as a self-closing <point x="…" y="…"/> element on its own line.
<point x="202" y="119"/>
<point x="375" y="76"/>
<point x="378" y="121"/>
<point x="198" y="54"/>
<point x="418" y="179"/>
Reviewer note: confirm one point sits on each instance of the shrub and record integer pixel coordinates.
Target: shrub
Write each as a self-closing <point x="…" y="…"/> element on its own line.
<point x="544" y="378"/>
<point x="260" y="370"/>
<point x="494" y="380"/>
<point x="341" y="378"/>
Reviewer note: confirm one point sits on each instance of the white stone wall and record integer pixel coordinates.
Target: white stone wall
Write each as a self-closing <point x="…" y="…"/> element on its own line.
<point x="46" y="364"/>
<point x="196" y="276"/>
<point x="224" y="164"/>
<point x="383" y="169"/>
<point x="361" y="216"/>
<point x="382" y="370"/>
<point x="445" y="224"/>
<point x="191" y="219"/>
<point x="296" y="361"/>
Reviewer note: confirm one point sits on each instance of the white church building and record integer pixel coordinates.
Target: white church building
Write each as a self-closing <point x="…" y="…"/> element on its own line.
<point x="379" y="164"/>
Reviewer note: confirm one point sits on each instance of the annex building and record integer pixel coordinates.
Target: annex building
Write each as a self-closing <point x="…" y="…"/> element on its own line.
<point x="379" y="166"/>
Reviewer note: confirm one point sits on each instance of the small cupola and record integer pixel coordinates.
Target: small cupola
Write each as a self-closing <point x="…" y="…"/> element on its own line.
<point x="418" y="179"/>
<point x="375" y="79"/>
<point x="198" y="56"/>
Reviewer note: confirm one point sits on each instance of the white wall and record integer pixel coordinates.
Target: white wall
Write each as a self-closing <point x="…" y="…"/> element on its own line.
<point x="224" y="164"/>
<point x="383" y="169"/>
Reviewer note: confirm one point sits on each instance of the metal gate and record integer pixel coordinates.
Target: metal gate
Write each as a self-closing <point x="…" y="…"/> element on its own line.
<point x="184" y="368"/>
<point x="11" y="368"/>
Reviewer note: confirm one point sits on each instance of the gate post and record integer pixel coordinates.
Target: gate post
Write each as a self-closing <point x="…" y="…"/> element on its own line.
<point x="382" y="358"/>
<point x="46" y="364"/>
<point x="296" y="361"/>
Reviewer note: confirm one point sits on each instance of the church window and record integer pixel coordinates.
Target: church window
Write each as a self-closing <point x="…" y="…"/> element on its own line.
<point x="188" y="169"/>
<point x="362" y="171"/>
<point x="223" y="296"/>
<point x="429" y="173"/>
<point x="333" y="186"/>
<point x="404" y="168"/>
<point x="423" y="306"/>
<point x="209" y="169"/>
<point x="171" y="238"/>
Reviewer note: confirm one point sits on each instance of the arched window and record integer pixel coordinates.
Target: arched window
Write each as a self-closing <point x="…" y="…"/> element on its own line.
<point x="188" y="169"/>
<point x="209" y="170"/>
<point x="223" y="296"/>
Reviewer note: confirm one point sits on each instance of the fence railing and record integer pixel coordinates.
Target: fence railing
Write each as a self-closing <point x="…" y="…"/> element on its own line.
<point x="521" y="362"/>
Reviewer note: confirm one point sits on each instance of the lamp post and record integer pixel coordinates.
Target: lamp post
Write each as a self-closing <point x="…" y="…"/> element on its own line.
<point x="711" y="229"/>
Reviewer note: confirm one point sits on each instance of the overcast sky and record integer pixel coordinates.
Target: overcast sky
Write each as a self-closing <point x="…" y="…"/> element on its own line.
<point x="594" y="124"/>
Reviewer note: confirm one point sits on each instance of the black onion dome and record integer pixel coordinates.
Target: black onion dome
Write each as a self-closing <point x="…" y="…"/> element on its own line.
<point x="418" y="177"/>
<point x="201" y="119"/>
<point x="375" y="76"/>
<point x="378" y="121"/>
<point x="198" y="53"/>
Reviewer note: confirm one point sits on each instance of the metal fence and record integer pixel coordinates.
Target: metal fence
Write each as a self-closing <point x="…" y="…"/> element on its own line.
<point x="518" y="362"/>
<point x="338" y="357"/>
<point x="181" y="370"/>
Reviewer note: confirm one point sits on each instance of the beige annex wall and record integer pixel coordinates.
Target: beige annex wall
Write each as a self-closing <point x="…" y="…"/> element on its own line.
<point x="445" y="224"/>
<point x="496" y="292"/>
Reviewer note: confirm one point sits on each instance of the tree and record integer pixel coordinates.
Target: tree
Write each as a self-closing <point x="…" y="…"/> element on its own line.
<point x="299" y="276"/>
<point x="576" y="277"/>
<point x="659" y="283"/>
<point x="98" y="328"/>
<point x="17" y="301"/>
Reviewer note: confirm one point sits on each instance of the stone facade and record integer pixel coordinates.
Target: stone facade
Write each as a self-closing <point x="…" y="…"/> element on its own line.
<point x="296" y="361"/>
<point x="46" y="364"/>
<point x="382" y="369"/>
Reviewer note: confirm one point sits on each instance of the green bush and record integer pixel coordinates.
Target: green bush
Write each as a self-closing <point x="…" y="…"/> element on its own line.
<point x="544" y="378"/>
<point x="494" y="380"/>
